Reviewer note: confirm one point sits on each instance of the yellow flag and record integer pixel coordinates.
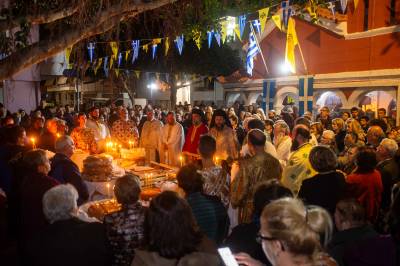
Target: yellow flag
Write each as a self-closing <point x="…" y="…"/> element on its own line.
<point x="277" y="20"/>
<point x="166" y="46"/>
<point x="68" y="55"/>
<point x="224" y="25"/>
<point x="117" y="72"/>
<point x="263" y="15"/>
<point x="291" y="42"/>
<point x="98" y="65"/>
<point x="197" y="38"/>
<point x="145" y="48"/>
<point x="355" y="4"/>
<point x="114" y="49"/>
<point x="137" y="73"/>
<point x="237" y="31"/>
<point x="127" y="55"/>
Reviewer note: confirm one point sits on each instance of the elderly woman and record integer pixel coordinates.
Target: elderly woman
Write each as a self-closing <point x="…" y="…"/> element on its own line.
<point x="35" y="183"/>
<point x="81" y="243"/>
<point x="125" y="228"/>
<point x="184" y="244"/>
<point x="327" y="187"/>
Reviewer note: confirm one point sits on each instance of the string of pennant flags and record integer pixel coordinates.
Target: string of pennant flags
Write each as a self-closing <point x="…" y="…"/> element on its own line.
<point x="257" y="26"/>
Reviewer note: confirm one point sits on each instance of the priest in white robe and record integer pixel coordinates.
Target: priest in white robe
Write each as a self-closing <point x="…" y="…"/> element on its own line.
<point x="150" y="139"/>
<point x="172" y="141"/>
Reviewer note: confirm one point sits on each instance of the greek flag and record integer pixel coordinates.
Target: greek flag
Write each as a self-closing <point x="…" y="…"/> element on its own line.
<point x="252" y="51"/>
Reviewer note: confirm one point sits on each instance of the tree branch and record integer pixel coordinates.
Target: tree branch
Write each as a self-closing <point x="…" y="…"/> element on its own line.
<point x="42" y="50"/>
<point x="43" y="18"/>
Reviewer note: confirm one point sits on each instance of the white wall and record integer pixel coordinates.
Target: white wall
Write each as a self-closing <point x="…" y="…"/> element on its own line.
<point x="19" y="91"/>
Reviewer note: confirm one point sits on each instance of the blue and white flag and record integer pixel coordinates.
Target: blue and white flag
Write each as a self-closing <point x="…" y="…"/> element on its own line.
<point x="179" y="43"/>
<point x="286" y="12"/>
<point x="154" y="50"/>
<point x="90" y="48"/>
<point x="331" y="7"/>
<point x="252" y="51"/>
<point x="209" y="38"/>
<point x="257" y="25"/>
<point x="119" y="59"/>
<point x="217" y="36"/>
<point x="135" y="50"/>
<point x="105" y="66"/>
<point x="242" y="24"/>
<point x="343" y="4"/>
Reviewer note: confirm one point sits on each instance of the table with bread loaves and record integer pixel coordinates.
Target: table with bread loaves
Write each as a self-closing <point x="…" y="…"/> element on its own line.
<point x="101" y="170"/>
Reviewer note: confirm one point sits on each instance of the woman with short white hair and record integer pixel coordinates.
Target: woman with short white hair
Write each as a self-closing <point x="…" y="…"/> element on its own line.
<point x="67" y="240"/>
<point x="60" y="203"/>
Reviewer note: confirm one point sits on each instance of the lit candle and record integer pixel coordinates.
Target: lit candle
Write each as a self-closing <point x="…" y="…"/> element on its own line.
<point x="58" y="135"/>
<point x="108" y="189"/>
<point x="181" y="160"/>
<point x="33" y="143"/>
<point x="130" y="145"/>
<point x="216" y="160"/>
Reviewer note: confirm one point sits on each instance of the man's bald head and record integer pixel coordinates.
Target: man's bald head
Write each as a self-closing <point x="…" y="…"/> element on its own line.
<point x="256" y="138"/>
<point x="374" y="135"/>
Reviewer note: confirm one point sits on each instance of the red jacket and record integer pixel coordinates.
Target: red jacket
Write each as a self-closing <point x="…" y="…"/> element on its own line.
<point x="191" y="146"/>
<point x="367" y="188"/>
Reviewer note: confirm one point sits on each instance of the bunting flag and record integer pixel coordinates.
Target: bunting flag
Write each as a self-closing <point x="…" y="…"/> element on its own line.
<point x="291" y="42"/>
<point x="343" y="4"/>
<point x="114" y="49"/>
<point x="119" y="59"/>
<point x="179" y="43"/>
<point x="331" y="7"/>
<point x="197" y="38"/>
<point x="263" y="16"/>
<point x="91" y="51"/>
<point x="145" y="47"/>
<point x="68" y="51"/>
<point x="286" y="12"/>
<point x="127" y="55"/>
<point x="277" y="20"/>
<point x="224" y="30"/>
<point x="154" y="47"/>
<point x="116" y="72"/>
<point x="135" y="50"/>
<point x="166" y="46"/>
<point x="311" y="9"/>
<point x="242" y="24"/>
<point x="257" y="26"/>
<point x="209" y="38"/>
<point x="217" y="36"/>
<point x="355" y="3"/>
<point x="99" y="61"/>
<point x="252" y="51"/>
<point x="237" y="31"/>
<point x="105" y="66"/>
<point x="137" y="73"/>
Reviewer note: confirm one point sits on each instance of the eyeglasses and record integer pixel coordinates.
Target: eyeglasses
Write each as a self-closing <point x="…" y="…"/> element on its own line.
<point x="260" y="238"/>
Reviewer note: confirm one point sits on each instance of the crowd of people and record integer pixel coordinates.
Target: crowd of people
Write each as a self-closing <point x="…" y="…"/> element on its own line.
<point x="277" y="189"/>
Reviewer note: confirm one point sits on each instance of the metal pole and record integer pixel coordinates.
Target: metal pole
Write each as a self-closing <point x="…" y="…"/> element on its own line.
<point x="259" y="47"/>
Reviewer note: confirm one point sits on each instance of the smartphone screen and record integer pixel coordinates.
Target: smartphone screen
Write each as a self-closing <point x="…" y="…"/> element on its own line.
<point x="227" y="257"/>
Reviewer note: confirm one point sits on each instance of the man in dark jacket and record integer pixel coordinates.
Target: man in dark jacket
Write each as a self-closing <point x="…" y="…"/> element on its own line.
<point x="65" y="170"/>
